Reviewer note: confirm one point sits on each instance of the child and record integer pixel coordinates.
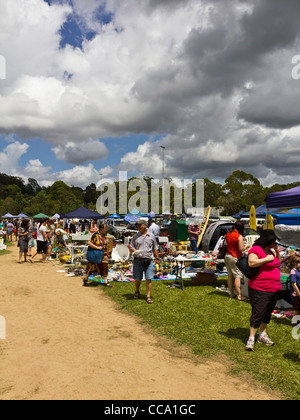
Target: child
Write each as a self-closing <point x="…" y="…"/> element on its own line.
<point x="294" y="266"/>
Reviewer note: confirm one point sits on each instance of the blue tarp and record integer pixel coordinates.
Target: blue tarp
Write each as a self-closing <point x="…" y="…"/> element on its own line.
<point x="287" y="219"/>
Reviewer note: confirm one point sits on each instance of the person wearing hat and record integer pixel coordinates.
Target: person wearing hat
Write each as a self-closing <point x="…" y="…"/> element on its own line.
<point x="264" y="288"/>
<point x="144" y="247"/>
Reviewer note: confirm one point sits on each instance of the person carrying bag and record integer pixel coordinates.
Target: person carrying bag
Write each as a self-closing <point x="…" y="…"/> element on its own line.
<point x="263" y="288"/>
<point x="96" y="255"/>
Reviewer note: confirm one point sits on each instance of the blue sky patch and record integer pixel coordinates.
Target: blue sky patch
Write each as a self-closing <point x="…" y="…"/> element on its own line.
<point x="72" y="34"/>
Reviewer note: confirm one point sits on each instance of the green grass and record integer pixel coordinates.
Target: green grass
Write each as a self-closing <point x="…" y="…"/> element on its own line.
<point x="6" y="251"/>
<point x="209" y="323"/>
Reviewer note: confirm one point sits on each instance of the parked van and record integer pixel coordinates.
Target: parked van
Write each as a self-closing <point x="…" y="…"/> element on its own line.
<point x="218" y="229"/>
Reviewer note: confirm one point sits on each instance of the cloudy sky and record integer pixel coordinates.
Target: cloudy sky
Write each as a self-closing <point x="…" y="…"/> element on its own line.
<point x="97" y="86"/>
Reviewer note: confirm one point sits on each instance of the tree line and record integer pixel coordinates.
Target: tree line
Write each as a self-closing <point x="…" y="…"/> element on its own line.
<point x="240" y="191"/>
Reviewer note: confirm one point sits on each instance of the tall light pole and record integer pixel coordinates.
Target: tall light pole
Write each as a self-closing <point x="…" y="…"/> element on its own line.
<point x="101" y="192"/>
<point x="163" y="178"/>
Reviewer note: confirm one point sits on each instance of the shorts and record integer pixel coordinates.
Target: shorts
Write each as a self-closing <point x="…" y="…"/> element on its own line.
<point x="139" y="270"/>
<point x="41" y="247"/>
<point x="263" y="304"/>
<point x="232" y="269"/>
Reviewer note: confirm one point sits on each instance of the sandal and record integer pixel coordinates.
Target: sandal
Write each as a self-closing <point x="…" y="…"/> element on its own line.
<point x="136" y="295"/>
<point x="107" y="285"/>
<point x="149" y="300"/>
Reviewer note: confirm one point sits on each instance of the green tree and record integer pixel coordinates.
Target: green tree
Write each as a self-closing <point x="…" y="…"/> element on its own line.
<point x="36" y="204"/>
<point x="60" y="199"/>
<point x="32" y="187"/>
<point x="242" y="190"/>
<point x="90" y="194"/>
<point x="212" y="192"/>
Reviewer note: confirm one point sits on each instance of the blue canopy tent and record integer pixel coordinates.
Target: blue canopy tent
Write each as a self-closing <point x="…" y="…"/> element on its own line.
<point x="136" y="212"/>
<point x="8" y="216"/>
<point x="131" y="218"/>
<point x="114" y="216"/>
<point x="134" y="215"/>
<point x="260" y="211"/>
<point x="22" y="215"/>
<point x="82" y="213"/>
<point x="239" y="214"/>
<point x="284" y="199"/>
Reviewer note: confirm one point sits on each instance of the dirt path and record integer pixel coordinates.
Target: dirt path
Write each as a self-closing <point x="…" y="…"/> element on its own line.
<point x="64" y="341"/>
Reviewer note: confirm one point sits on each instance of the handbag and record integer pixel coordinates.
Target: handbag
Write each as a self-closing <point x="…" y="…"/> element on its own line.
<point x="243" y="265"/>
<point x="95" y="255"/>
<point x="222" y="250"/>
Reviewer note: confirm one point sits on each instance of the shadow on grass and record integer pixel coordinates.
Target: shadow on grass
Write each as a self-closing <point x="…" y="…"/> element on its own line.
<point x="239" y="333"/>
<point x="293" y="357"/>
<point x="130" y="296"/>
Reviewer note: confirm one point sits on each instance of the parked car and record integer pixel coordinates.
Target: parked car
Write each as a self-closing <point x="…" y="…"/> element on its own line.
<point x="116" y="227"/>
<point x="217" y="229"/>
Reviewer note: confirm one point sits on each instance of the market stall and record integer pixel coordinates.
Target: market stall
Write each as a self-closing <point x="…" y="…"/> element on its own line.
<point x="286" y="199"/>
<point x="82" y="213"/>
